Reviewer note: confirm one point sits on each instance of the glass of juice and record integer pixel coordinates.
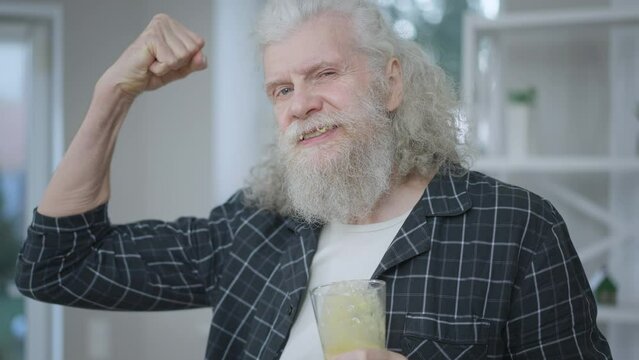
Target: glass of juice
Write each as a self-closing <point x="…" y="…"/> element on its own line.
<point x="350" y="315"/>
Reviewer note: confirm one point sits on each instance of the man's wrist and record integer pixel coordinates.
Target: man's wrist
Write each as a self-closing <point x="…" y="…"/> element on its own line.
<point x="108" y="108"/>
<point x="108" y="92"/>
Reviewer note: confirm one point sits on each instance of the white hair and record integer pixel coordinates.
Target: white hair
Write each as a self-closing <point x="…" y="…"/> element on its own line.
<point x="424" y="124"/>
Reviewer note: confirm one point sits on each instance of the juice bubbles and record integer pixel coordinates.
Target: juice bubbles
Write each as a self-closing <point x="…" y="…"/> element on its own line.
<point x="350" y="315"/>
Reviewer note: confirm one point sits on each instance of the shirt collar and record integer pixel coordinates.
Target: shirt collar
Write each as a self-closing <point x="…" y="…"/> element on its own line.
<point x="446" y="195"/>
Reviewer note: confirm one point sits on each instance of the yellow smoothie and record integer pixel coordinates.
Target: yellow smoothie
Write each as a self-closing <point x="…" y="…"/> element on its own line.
<point x="350" y="319"/>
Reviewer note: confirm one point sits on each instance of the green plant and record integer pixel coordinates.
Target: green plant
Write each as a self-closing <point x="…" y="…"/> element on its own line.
<point x="526" y="96"/>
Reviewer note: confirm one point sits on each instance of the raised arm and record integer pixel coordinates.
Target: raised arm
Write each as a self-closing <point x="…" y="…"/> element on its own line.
<point x="164" y="52"/>
<point x="73" y="255"/>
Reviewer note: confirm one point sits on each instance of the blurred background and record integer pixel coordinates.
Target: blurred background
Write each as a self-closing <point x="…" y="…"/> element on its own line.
<point x="550" y="99"/>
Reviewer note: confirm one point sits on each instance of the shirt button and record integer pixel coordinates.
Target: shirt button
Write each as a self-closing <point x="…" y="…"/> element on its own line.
<point x="290" y="310"/>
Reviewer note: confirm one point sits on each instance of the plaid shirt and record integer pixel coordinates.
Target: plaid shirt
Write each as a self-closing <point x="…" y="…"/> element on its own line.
<point x="479" y="269"/>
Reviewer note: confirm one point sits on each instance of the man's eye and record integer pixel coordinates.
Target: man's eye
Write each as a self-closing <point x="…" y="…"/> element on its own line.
<point x="283" y="91"/>
<point x="327" y="73"/>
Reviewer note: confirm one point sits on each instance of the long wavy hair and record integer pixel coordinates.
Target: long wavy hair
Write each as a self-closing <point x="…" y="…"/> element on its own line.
<point x="425" y="125"/>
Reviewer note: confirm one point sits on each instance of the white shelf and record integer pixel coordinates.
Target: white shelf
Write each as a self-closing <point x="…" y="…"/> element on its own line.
<point x="544" y="50"/>
<point x="621" y="314"/>
<point x="557" y="164"/>
<point x="539" y="19"/>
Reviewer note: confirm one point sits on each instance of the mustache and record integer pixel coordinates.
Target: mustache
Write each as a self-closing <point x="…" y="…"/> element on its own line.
<point x="369" y="108"/>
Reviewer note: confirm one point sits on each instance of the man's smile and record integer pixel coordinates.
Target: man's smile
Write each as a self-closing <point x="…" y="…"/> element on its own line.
<point x="317" y="133"/>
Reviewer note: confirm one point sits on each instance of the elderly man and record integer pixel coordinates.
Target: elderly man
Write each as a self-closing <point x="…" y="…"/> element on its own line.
<point x="366" y="181"/>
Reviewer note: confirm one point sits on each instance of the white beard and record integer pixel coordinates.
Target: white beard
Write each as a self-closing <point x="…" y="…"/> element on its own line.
<point x="340" y="180"/>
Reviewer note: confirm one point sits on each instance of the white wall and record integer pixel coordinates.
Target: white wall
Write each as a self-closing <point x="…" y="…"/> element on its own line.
<point x="161" y="169"/>
<point x="239" y="96"/>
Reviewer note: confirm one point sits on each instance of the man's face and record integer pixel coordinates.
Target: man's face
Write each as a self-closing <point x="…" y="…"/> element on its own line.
<point x="314" y="72"/>
<point x="336" y="141"/>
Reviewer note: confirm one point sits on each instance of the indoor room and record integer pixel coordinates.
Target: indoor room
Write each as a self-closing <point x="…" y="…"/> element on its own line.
<point x="548" y="100"/>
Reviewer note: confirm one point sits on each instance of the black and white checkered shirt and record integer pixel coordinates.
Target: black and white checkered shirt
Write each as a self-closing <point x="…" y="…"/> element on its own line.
<point x="480" y="269"/>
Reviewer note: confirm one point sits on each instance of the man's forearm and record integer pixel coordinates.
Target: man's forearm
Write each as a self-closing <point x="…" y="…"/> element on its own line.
<point x="81" y="181"/>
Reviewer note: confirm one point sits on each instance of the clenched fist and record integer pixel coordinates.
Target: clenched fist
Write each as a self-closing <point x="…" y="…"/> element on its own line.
<point x="164" y="52"/>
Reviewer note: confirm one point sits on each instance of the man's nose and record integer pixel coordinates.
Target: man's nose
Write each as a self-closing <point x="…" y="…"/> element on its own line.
<point x="304" y="104"/>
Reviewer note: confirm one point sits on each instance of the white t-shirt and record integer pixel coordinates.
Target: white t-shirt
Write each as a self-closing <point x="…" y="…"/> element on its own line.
<point x="344" y="252"/>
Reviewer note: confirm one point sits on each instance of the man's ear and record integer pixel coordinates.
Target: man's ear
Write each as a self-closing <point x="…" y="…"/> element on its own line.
<point x="395" y="82"/>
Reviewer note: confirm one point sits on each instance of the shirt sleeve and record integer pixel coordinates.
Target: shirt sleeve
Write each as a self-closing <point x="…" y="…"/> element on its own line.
<point x="85" y="261"/>
<point x="553" y="312"/>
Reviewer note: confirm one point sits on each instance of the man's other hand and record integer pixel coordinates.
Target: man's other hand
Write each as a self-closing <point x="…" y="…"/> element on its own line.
<point x="370" y="354"/>
<point x="165" y="51"/>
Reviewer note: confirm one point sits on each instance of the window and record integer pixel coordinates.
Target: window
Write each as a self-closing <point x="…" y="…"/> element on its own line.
<point x="437" y="26"/>
<point x="13" y="124"/>
<point x="30" y="143"/>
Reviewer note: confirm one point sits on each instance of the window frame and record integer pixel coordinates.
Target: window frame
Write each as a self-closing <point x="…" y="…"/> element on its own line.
<point x="45" y="322"/>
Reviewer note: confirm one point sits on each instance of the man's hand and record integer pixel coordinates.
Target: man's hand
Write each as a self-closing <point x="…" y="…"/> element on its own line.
<point x="164" y="52"/>
<point x="370" y="354"/>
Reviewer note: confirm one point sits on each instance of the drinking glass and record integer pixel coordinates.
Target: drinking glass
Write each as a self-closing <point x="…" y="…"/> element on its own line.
<point x="350" y="315"/>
